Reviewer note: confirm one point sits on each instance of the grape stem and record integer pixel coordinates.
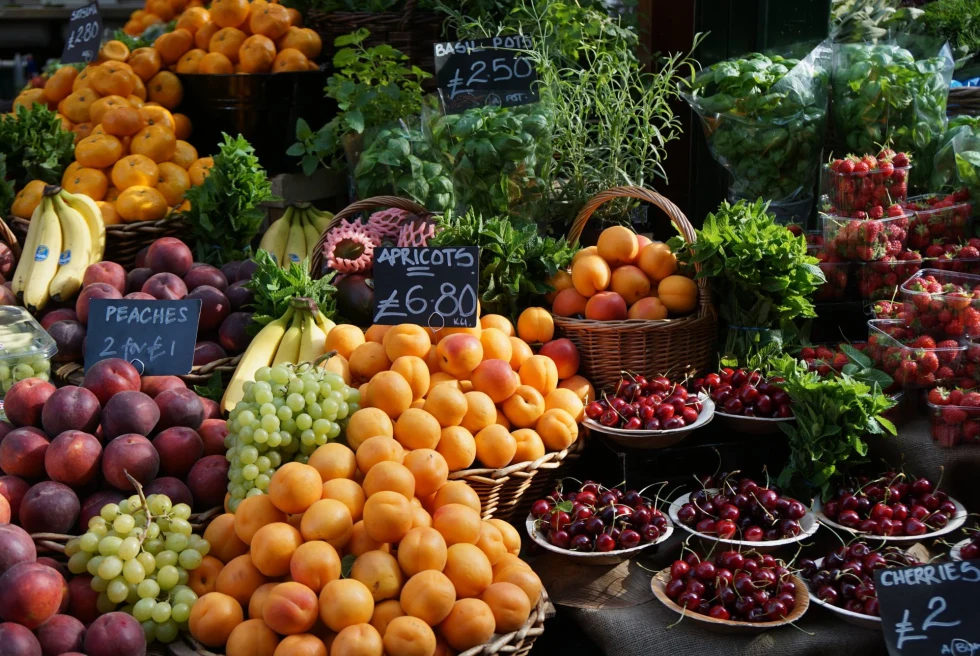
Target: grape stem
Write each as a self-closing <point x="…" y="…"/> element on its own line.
<point x="146" y="506"/>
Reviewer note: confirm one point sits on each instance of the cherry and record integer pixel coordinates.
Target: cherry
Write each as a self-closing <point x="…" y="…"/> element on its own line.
<point x="605" y="542"/>
<point x="559" y="520"/>
<point x="581" y="543"/>
<point x="719" y="612"/>
<point x="688" y="600"/>
<point x="913" y="526"/>
<point x="560" y="539"/>
<point x="679" y="569"/>
<point x="848" y="518"/>
<point x="629" y="539"/>
<point x="539" y="508"/>
<point x="921" y="486"/>
<point x="665" y="412"/>
<point x="752" y="534"/>
<point x="595" y="525"/>
<point x="733" y="406"/>
<point x="650" y="533"/>
<point x="609" y="418"/>
<point x="706" y="526"/>
<point x="776" y="609"/>
<point x="705" y="570"/>
<point x="748" y="395"/>
<point x="633" y="423"/>
<point x="725" y="528"/>
<point x="594" y="410"/>
<point x="695" y="586"/>
<point x="674" y="588"/>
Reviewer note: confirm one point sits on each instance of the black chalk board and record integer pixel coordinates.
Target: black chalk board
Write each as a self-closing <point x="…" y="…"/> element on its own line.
<point x="84" y="35"/>
<point x="434" y="287"/>
<point x="930" y="609"/>
<point x="158" y="337"/>
<point x="485" y="72"/>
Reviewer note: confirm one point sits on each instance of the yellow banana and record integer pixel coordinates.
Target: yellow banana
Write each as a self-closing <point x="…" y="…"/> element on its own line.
<point x="313" y="343"/>
<point x="295" y="245"/>
<point x="258" y="354"/>
<point x="93" y="218"/>
<point x="274" y="239"/>
<point x="36" y="294"/>
<point x="326" y="325"/>
<point x="288" y="350"/>
<point x="76" y="252"/>
<point x="320" y="219"/>
<point x="26" y="263"/>
<point x="311" y="233"/>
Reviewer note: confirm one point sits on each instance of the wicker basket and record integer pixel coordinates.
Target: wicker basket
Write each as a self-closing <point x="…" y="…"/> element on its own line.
<point x="72" y="373"/>
<point x="124" y="240"/>
<point x="671" y="347"/>
<point x="963" y="100"/>
<point x="549" y="472"/>
<point x="8" y="237"/>
<point x="351" y="211"/>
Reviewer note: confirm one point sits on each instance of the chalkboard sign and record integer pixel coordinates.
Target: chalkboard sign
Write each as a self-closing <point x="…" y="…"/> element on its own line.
<point x="930" y="609"/>
<point x="158" y="337"/>
<point x="434" y="287"/>
<point x="84" y="35"/>
<point x="485" y="72"/>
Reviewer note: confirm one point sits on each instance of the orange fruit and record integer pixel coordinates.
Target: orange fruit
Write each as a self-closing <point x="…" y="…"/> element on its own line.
<point x="28" y="198"/>
<point x="109" y="214"/>
<point x="27" y="99"/>
<point x="509" y="604"/>
<point x="305" y="40"/>
<point x="141" y="203"/>
<point x="200" y="170"/>
<point x="86" y="77"/>
<point x="134" y="170"/>
<point x="345" y="602"/>
<point x="122" y="121"/>
<point x="156" y="142"/>
<point x="469" y="624"/>
<point x="229" y="13"/>
<point x="182" y="128"/>
<point x="156" y="115"/>
<point x="193" y="19"/>
<point x="618" y="245"/>
<point x="99" y="108"/>
<point x="59" y="85"/>
<point x="417" y="429"/>
<point x="160" y="10"/>
<point x="76" y="106"/>
<point x="118" y="79"/>
<point x="172" y="182"/>
<point x="190" y="62"/>
<point x="215" y="63"/>
<point x="98" y="151"/>
<point x="115" y="51"/>
<point x="165" y="88"/>
<point x="289" y="60"/>
<point x="112" y="195"/>
<point x="227" y="41"/>
<point x="173" y="45"/>
<point x="184" y="155"/>
<point x="469" y="569"/>
<point x="387" y="391"/>
<point x="146" y="63"/>
<point x="88" y="181"/>
<point x="270" y="20"/>
<point x="257" y="53"/>
<point x="202" y="38"/>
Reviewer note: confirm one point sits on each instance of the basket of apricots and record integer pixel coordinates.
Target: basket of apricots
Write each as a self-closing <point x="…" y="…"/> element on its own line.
<point x="491" y="411"/>
<point x="131" y="154"/>
<point x="625" y="306"/>
<point x="364" y="554"/>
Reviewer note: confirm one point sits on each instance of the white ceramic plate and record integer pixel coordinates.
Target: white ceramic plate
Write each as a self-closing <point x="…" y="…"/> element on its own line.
<point x="659" y="439"/>
<point x="753" y="425"/>
<point x="809" y="525"/>
<point x="594" y="557"/>
<point x="955" y="552"/>
<point x="857" y="619"/>
<point x="955" y="522"/>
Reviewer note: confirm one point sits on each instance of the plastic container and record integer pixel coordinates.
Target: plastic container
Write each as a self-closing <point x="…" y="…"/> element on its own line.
<point x="952" y="425"/>
<point x="879" y="281"/>
<point x="911" y="366"/>
<point x="969" y="265"/>
<point x="949" y="222"/>
<point x="851" y="192"/>
<point x="864" y="240"/>
<point x="942" y="304"/>
<point x="26" y="349"/>
<point x="837" y="273"/>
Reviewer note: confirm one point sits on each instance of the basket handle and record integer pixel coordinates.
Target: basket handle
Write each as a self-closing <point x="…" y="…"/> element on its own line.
<point x="7" y="235"/>
<point x="407" y="14"/>
<point x="393" y="202"/>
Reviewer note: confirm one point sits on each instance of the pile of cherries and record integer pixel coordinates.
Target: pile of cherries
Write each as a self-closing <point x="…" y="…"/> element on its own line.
<point x="741" y="509"/>
<point x="890" y="505"/>
<point x="641" y="404"/>
<point x="600" y="519"/>
<point x="845" y="577"/>
<point x="745" y="394"/>
<point x="745" y="587"/>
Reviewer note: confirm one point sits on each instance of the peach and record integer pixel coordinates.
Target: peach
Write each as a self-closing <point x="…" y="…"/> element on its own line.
<point x="328" y="520"/>
<point x="521" y="575"/>
<point x="213" y="617"/>
<point x="164" y="287"/>
<point x="54" y="316"/>
<point x="535" y="325"/>
<point x="205" y="275"/>
<point x="18" y="640"/>
<point x="24" y="402"/>
<point x="69" y="337"/>
<point x="73" y="458"/>
<point x="16" y="546"/>
<point x="133" y="454"/>
<point x="390" y="476"/>
<point x="499" y="322"/>
<point x="213" y="433"/>
<point x="136" y="278"/>
<point x="457" y="523"/>
<point x="115" y="634"/>
<point x="225" y="543"/>
<point x="446" y="404"/>
<point x="290" y="608"/>
<point x="590" y="275"/>
<point x="171" y="487"/>
<point x="496" y="379"/>
<point x="618" y="245"/>
<point x="457" y="447"/>
<point x="378" y="449"/>
<point x="582" y="388"/>
<point x="417" y="429"/>
<point x="361" y="543"/>
<point x="314" y="564"/>
<point x="384" y="613"/>
<point x="179" y="407"/>
<point x="179" y="449"/>
<point x="273" y="546"/>
<point x="208" y="481"/>
<point x="82" y="599"/>
<point x="524" y="407"/>
<point x="644" y="241"/>
<point x="529" y="445"/>
<point x="207" y="352"/>
<point x="606" y="306"/>
<point x="108" y="377"/>
<point x="631" y="283"/>
<point x="60" y="634"/>
<point x="49" y="507"/>
<point x="32" y="594"/>
<point x="215" y="306"/>
<point x="22" y="452"/>
<point x="129" y="412"/>
<point x="211" y="410"/>
<point x="13" y="489"/>
<point x="252" y="638"/>
<point x="95" y="290"/>
<point x="239" y="579"/>
<point x="233" y="333"/>
<point x="109" y="273"/>
<point x="367" y="423"/>
<point x="333" y="460"/>
<point x="459" y="354"/>
<point x="92" y="504"/>
<point x="657" y="261"/>
<point x="495" y="446"/>
<point x="367" y="360"/>
<point x="71" y="408"/>
<point x="170" y="255"/>
<point x="569" y="303"/>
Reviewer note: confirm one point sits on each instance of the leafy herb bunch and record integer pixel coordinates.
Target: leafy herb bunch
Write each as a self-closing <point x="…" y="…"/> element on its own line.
<point x="515" y="260"/>
<point x="957" y="161"/>
<point x="225" y="212"/>
<point x="833" y="415"/>
<point x="273" y="287"/>
<point x="36" y="145"/>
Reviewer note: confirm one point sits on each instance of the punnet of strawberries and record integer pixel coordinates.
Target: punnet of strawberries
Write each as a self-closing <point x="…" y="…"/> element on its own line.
<point x="942" y="304"/>
<point x="867" y="235"/>
<point x="824" y="359"/>
<point x="962" y="257"/>
<point x="745" y="393"/>
<point x="881" y="279"/>
<point x="914" y="361"/>
<point x="954" y="416"/>
<point x="860" y="183"/>
<point x="835" y="270"/>
<point x="641" y="404"/>
<point x="889" y="309"/>
<point x="938" y="216"/>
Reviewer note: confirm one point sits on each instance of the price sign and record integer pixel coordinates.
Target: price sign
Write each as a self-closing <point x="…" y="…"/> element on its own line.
<point x="157" y="337"/>
<point x="84" y="35"/>
<point x="434" y="287"/>
<point x="485" y="72"/>
<point x="930" y="609"/>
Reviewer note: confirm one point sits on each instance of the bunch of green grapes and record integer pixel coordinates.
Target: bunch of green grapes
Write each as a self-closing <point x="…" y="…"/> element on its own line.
<point x="141" y="562"/>
<point x="287" y="413"/>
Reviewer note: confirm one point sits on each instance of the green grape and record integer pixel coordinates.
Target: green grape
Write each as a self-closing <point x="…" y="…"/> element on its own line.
<point x="308" y="437"/>
<point x="143" y="609"/>
<point x="184" y="595"/>
<point x="176" y="542"/>
<point x="180" y="612"/>
<point x="321" y="426"/>
<point x="182" y="576"/>
<point x="182" y="511"/>
<point x="129" y="548"/>
<point x="285" y="413"/>
<point x="309" y="398"/>
<point x="109" y="545"/>
<point x="147" y="561"/>
<point x="111" y="567"/>
<point x="246" y="418"/>
<point x="124" y="524"/>
<point x="353" y="406"/>
<point x="334" y="431"/>
<point x="124" y="506"/>
<point x="166" y="557"/>
<point x="152" y="531"/>
<point x="295" y="402"/>
<point x="279" y="375"/>
<point x="267" y="409"/>
<point x="166" y="632"/>
<point x="159" y="504"/>
<point x="133" y="595"/>
<point x="288" y="426"/>
<point x="262" y="482"/>
<point x="73" y="547"/>
<point x="320" y="440"/>
<point x="270" y="423"/>
<point x="315" y="410"/>
<point x="89" y="542"/>
<point x="235" y="475"/>
<point x="343" y="411"/>
<point x="294" y="386"/>
<point x="133" y="572"/>
<point x="149" y="630"/>
<point x="189" y="559"/>
<point x="168" y="577"/>
<point x="153" y="546"/>
<point x="148" y="589"/>
<point x="109" y="512"/>
<point x="304" y="421"/>
<point x="99" y="584"/>
<point x="161" y="612"/>
<point x="178" y="525"/>
<point x="274" y="440"/>
<point x="135" y="503"/>
<point x="78" y="563"/>
<point x="248" y="455"/>
<point x="262" y="375"/>
<point x="274" y="458"/>
<point x="201" y="546"/>
<point x="103" y="604"/>
<point x="117" y="591"/>
<point x="164" y="524"/>
<point x="250" y="472"/>
<point x="93" y="565"/>
<point x="330" y="407"/>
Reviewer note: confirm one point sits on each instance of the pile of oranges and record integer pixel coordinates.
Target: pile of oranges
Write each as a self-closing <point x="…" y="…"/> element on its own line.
<point x="427" y="576"/>
<point x="459" y="396"/>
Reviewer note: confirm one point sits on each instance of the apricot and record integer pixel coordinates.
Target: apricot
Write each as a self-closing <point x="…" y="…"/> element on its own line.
<point x="469" y="569"/>
<point x="480" y="412"/>
<point x="301" y="645"/>
<point x="414" y="370"/>
<point x="529" y="445"/>
<point x="376" y="333"/>
<point x="295" y="487"/>
<point x="358" y="640"/>
<point x="417" y="429"/>
<point x="253" y="513"/>
<point x="495" y="446"/>
<point x="510" y="560"/>
<point x="252" y="638"/>
<point x="389" y="392"/>
<point x="457" y="523"/>
<point x="558" y="429"/>
<point x="679" y="294"/>
<point x="345" y="602"/>
<point x="567" y="400"/>
<point x="499" y="322"/>
<point x="539" y="372"/>
<point x="328" y="520"/>
<point x="470" y="623"/>
<point x="204" y="578"/>
<point x="496" y="379"/>
<point x="459" y="354"/>
<point x="368" y="360"/>
<point x="273" y="546"/>
<point x="581" y="386"/>
<point x="524" y="407"/>
<point x="347" y="492"/>
<point x="257" y="603"/>
<point x="606" y="306"/>
<point x="409" y="636"/>
<point x="314" y="564"/>
<point x="290" y="608"/>
<point x="213" y="617"/>
<point x="421" y="549"/>
<point x="650" y="308"/>
<point x="630" y="282"/>
<point x="344" y="338"/>
<point x="429" y="596"/>
<point x="496" y="345"/>
<point x="429" y="469"/>
<point x="379" y="571"/>
<point x="618" y="245"/>
<point x="590" y="275"/>
<point x="456" y="492"/>
<point x="367" y="423"/>
<point x="569" y="303"/>
<point x="389" y="476"/>
<point x="657" y="261"/>
<point x="361" y="543"/>
<point x="387" y="516"/>
<point x="523" y="577"/>
<point x="509" y="605"/>
<point x="446" y="404"/>
<point x="535" y="325"/>
<point x="333" y="460"/>
<point x="457" y="447"/>
<point x="378" y="449"/>
<point x="406" y="339"/>
<point x="239" y="578"/>
<point x="384" y="613"/>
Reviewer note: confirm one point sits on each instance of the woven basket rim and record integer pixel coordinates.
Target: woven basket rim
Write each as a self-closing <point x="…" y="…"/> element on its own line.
<point x="123" y="229"/>
<point x="7" y="235"/>
<point x="503" y="474"/>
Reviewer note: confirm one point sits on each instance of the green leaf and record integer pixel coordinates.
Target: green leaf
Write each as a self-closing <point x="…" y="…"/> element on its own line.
<point x="346" y="565"/>
<point x="214" y="389"/>
<point x="565" y="506"/>
<point x="303" y="131"/>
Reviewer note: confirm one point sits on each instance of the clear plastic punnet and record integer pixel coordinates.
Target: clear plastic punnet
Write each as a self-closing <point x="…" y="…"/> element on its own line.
<point x="26" y="348"/>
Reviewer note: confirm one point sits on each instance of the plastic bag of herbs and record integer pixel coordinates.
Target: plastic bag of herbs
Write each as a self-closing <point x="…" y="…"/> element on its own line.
<point x="764" y="117"/>
<point x="957" y="161"/>
<point x="895" y="94"/>
<point x="500" y="157"/>
<point x="397" y="160"/>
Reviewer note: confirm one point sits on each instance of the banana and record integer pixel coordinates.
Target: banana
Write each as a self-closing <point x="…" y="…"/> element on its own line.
<point x="295" y="245"/>
<point x="93" y="218"/>
<point x="326" y="325"/>
<point x="288" y="350"/>
<point x="76" y="252"/>
<point x="313" y="343"/>
<point x="320" y="219"/>
<point x="274" y="239"/>
<point x="259" y="353"/>
<point x="36" y="294"/>
<point x="311" y="233"/>
<point x="26" y="263"/>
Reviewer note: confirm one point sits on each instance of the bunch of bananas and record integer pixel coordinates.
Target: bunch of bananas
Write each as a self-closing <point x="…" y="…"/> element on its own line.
<point x="292" y="238"/>
<point x="66" y="235"/>
<point x="299" y="335"/>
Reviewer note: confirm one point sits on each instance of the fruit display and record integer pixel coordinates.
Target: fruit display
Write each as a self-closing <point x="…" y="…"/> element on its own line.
<point x="942" y="304"/>
<point x="598" y="519"/>
<point x="65" y="236"/>
<point x="845" y="576"/>
<point x="825" y="359"/>
<point x="741" y="509"/>
<point x="292" y="237"/>
<point x="954" y="415"/>
<point x="836" y="271"/>
<point x="745" y="393"/>
<point x="863" y="183"/>
<point x="732" y="585"/>
<point x="867" y="236"/>
<point x="881" y="279"/>
<point x="25" y="349"/>
<point x="891" y="505"/>
<point x="939" y="216"/>
<point x="625" y="276"/>
<point x="889" y="309"/>
<point x="641" y="404"/>
<point x="914" y="361"/>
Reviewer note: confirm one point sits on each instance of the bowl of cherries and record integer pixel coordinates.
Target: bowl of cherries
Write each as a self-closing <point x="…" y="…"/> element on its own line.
<point x="740" y="512"/>
<point x="733" y="592"/>
<point x="648" y="413"/>
<point x="596" y="525"/>
<point x="843" y="580"/>
<point x="746" y="401"/>
<point x="968" y="549"/>
<point x="893" y="508"/>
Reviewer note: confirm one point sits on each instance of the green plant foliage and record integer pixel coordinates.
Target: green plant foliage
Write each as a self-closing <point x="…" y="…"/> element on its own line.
<point x="273" y="287"/>
<point x="146" y="39"/>
<point x="36" y="145"/>
<point x="954" y="21"/>
<point x="6" y="188"/>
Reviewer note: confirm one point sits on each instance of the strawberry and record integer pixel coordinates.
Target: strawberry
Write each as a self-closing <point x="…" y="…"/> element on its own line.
<point x="938" y="396"/>
<point x="928" y="363"/>
<point x="971" y="400"/>
<point x="968" y="253"/>
<point x="901" y="160"/>
<point x="947" y="436"/>
<point x="971" y="431"/>
<point x="925" y="341"/>
<point x="840" y="360"/>
<point x="956" y="397"/>
<point x="944" y="373"/>
<point x="824" y="353"/>
<point x="953" y="415"/>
